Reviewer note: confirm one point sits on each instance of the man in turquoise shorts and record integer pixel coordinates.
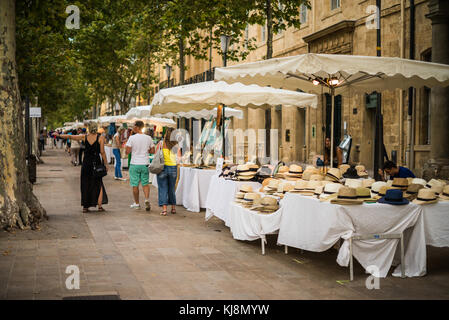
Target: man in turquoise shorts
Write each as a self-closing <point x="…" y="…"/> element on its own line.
<point x="139" y="145"/>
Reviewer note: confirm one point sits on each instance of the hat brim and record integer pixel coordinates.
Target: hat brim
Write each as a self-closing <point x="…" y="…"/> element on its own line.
<point x="416" y="201"/>
<point x="398" y="203"/>
<point x="346" y="201"/>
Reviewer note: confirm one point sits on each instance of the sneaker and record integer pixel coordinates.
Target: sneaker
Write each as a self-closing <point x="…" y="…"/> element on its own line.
<point x="122" y="179"/>
<point x="116" y="178"/>
<point x="135" y="206"/>
<point x="147" y="205"/>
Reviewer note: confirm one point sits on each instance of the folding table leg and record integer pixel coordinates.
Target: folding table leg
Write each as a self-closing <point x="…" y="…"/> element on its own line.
<point x="402" y="257"/>
<point x="263" y="246"/>
<point x="351" y="262"/>
<point x="285" y="249"/>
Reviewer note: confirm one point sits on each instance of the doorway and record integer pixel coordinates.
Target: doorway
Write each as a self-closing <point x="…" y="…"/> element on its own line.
<point x="337" y="118"/>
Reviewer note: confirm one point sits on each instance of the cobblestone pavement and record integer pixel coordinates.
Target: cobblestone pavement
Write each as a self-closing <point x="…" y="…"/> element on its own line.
<point x="141" y="255"/>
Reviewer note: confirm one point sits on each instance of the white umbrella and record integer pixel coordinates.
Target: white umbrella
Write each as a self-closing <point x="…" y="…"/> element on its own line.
<point x="309" y="72"/>
<point x="203" y="114"/>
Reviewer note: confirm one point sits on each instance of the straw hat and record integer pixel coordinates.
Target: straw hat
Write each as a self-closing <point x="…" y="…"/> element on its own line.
<point x="412" y="191"/>
<point x="334" y="174"/>
<point x="364" y="194"/>
<point x="375" y="187"/>
<point x="318" y="191"/>
<point x="445" y="194"/>
<point x="250" y="199"/>
<point x="312" y="184"/>
<point x="300" y="186"/>
<point x="252" y="167"/>
<point x="344" y="167"/>
<point x="400" y="183"/>
<point x="273" y="184"/>
<point x="393" y="196"/>
<point x="434" y="182"/>
<point x="409" y="180"/>
<point x="389" y="183"/>
<point x="286" y="187"/>
<point x="346" y="195"/>
<point x="295" y="169"/>
<point x="419" y="181"/>
<point x="361" y="171"/>
<point x="242" y="168"/>
<point x="266" y="181"/>
<point x="309" y="172"/>
<point x="437" y="189"/>
<point x="316" y="177"/>
<point x="425" y="196"/>
<point x="367" y="183"/>
<point x="353" y="183"/>
<point x="246" y="188"/>
<point x="382" y="192"/>
<point x="240" y="195"/>
<point x="330" y="191"/>
<point x="267" y="204"/>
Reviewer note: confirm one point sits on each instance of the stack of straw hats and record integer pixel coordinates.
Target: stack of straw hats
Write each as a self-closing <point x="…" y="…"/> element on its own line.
<point x="245" y="172"/>
<point x="250" y="199"/>
<point x="281" y="172"/>
<point x="333" y="174"/>
<point x="267" y="205"/>
<point x="309" y="172"/>
<point x="244" y="189"/>
<point x="294" y="172"/>
<point x="330" y="191"/>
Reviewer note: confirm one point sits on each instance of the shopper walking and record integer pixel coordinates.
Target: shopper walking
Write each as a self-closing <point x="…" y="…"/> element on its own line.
<point x="139" y="146"/>
<point x="75" y="149"/>
<point x="116" y="144"/>
<point x="93" y="192"/>
<point x="166" y="180"/>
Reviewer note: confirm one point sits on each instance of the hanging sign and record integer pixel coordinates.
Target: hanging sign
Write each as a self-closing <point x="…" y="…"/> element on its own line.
<point x="35" y="112"/>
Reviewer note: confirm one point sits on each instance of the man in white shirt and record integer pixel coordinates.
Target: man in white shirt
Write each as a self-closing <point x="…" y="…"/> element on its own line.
<point x="139" y="145"/>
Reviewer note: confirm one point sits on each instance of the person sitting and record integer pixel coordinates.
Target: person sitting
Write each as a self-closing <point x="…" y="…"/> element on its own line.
<point x="338" y="154"/>
<point x="395" y="171"/>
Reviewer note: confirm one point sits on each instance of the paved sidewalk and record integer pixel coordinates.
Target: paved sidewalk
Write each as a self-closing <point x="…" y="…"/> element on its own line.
<point x="141" y="255"/>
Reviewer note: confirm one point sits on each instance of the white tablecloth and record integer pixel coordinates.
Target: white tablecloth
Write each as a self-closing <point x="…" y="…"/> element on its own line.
<point x="312" y="225"/>
<point x="436" y="223"/>
<point x="250" y="225"/>
<point x="221" y="195"/>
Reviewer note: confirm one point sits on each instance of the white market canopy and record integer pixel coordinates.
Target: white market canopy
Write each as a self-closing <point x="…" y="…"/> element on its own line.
<point x="203" y="114"/>
<point x="360" y="73"/>
<point x="105" y="120"/>
<point x="209" y="94"/>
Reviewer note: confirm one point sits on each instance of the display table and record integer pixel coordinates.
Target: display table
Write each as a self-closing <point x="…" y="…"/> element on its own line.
<point x="221" y="195"/>
<point x="312" y="225"/>
<point x="436" y="223"/>
<point x="193" y="187"/>
<point x="250" y="225"/>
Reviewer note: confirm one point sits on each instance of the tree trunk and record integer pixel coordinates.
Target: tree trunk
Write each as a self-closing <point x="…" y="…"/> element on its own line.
<point x="19" y="207"/>
<point x="181" y="61"/>
<point x="269" y="30"/>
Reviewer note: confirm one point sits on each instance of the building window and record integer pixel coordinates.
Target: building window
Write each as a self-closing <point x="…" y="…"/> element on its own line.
<point x="302" y="14"/>
<point x="335" y="4"/>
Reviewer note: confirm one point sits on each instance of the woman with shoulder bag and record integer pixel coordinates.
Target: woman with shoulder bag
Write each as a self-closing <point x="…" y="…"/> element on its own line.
<point x="93" y="169"/>
<point x="166" y="180"/>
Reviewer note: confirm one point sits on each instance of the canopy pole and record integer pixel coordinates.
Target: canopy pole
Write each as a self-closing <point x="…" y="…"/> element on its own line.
<point x="332" y="127"/>
<point x="223" y="131"/>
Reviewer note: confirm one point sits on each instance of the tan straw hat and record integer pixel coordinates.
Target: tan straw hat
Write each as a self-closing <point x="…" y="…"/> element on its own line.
<point x="445" y="194"/>
<point x="426" y="196"/>
<point x="347" y="195"/>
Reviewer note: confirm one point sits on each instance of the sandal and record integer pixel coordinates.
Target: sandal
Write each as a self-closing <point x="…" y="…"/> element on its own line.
<point x="164" y="213"/>
<point x="85" y="210"/>
<point x="101" y="209"/>
<point x="173" y="211"/>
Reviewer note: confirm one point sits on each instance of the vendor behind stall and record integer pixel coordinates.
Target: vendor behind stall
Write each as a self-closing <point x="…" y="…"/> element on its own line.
<point x="338" y="154"/>
<point x="395" y="171"/>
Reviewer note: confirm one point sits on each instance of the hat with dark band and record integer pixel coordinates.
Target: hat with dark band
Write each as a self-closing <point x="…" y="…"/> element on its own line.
<point x="426" y="196"/>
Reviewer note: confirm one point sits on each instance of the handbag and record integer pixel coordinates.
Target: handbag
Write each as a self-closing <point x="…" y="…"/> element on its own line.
<point x="157" y="165"/>
<point x="99" y="169"/>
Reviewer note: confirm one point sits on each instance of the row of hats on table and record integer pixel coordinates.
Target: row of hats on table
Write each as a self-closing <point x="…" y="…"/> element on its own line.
<point x="294" y="172"/>
<point x="397" y="191"/>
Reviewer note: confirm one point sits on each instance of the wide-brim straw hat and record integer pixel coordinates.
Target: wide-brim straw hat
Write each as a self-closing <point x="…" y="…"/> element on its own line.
<point x="426" y="196"/>
<point x="295" y="169"/>
<point x="364" y="194"/>
<point x="246" y="188"/>
<point x="445" y="194"/>
<point x="346" y="195"/>
<point x="412" y="191"/>
<point x="401" y="183"/>
<point x="434" y="182"/>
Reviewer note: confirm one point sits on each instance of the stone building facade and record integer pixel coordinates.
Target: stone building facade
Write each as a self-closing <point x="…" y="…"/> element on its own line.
<point x="345" y="27"/>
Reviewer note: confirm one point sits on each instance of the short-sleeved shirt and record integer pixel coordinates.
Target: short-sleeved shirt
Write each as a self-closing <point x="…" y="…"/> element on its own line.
<point x="403" y="173"/>
<point x="140" y="144"/>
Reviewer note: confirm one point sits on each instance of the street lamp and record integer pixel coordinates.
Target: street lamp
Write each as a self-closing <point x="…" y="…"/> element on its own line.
<point x="224" y="41"/>
<point x="168" y="70"/>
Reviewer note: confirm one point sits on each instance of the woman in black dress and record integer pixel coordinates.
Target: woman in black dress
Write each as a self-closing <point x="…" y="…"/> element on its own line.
<point x="93" y="192"/>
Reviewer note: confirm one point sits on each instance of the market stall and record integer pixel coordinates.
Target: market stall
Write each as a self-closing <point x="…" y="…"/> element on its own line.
<point x="436" y="224"/>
